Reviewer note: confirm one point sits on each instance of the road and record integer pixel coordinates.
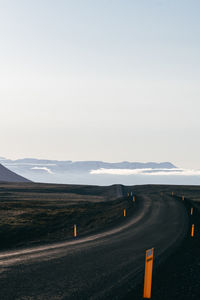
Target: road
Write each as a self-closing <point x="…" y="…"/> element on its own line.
<point x="103" y="266"/>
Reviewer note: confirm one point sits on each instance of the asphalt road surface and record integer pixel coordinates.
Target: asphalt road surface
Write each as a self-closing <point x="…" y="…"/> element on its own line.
<point x="107" y="265"/>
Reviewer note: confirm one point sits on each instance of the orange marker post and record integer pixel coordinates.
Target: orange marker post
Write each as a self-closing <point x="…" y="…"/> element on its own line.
<point x="133" y="198"/>
<point x="131" y="194"/>
<point x="183" y="198"/>
<point x="124" y="212"/>
<point x="191" y="211"/>
<point x="192" y="231"/>
<point x="148" y="273"/>
<point x="75" y="231"/>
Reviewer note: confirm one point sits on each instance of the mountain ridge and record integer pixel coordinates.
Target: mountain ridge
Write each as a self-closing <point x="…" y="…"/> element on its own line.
<point x="85" y="164"/>
<point x="7" y="175"/>
<point x="83" y="172"/>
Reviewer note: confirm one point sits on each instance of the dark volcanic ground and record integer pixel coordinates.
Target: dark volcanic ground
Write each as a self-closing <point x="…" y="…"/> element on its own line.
<point x="108" y="265"/>
<point x="32" y="213"/>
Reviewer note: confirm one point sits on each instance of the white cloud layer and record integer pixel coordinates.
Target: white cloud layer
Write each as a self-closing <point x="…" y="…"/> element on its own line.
<point x="147" y="172"/>
<point x="42" y="168"/>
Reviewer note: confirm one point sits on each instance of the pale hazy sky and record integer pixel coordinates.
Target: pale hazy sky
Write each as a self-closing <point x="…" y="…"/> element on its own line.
<point x="100" y="80"/>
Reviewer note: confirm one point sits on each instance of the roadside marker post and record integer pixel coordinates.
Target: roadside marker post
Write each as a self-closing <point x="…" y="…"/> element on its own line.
<point x="148" y="273"/>
<point x="75" y="231"/>
<point x="183" y="198"/>
<point x="172" y="194"/>
<point x="131" y="194"/>
<point x="128" y="194"/>
<point x="133" y="198"/>
<point x="124" y="212"/>
<point x="191" y="211"/>
<point x="192" y="231"/>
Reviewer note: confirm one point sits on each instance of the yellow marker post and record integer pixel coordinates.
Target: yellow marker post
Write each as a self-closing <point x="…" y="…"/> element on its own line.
<point x="75" y="230"/>
<point x="148" y="273"/>
<point x="191" y="211"/>
<point x="192" y="231"/>
<point x="124" y="212"/>
<point x="183" y="198"/>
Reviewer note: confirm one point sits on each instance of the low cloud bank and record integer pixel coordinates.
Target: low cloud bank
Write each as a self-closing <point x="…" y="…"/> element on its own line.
<point x="147" y="172"/>
<point x="43" y="169"/>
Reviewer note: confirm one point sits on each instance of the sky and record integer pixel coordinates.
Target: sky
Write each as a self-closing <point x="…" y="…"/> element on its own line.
<point x="100" y="80"/>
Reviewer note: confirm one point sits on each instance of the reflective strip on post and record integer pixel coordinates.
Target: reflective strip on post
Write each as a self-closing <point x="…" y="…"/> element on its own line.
<point x="183" y="198"/>
<point x="192" y="231"/>
<point x="75" y="230"/>
<point x="148" y="273"/>
<point x="191" y="211"/>
<point x="124" y="212"/>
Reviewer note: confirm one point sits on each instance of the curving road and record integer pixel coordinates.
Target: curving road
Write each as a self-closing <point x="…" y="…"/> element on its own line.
<point x="102" y="266"/>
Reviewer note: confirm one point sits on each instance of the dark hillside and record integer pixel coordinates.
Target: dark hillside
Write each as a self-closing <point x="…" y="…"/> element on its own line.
<point x="8" y="176"/>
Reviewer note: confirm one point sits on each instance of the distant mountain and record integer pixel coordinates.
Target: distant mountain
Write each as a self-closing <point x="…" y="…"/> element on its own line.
<point x="86" y="172"/>
<point x="97" y="172"/>
<point x="84" y="165"/>
<point x="9" y="176"/>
